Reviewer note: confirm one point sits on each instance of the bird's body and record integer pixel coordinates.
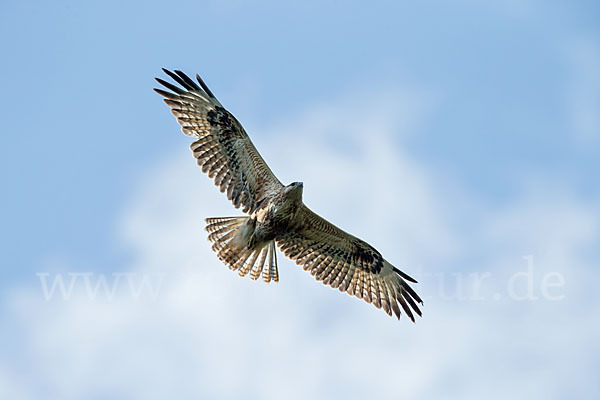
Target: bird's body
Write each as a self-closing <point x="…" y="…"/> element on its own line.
<point x="276" y="214"/>
<point x="281" y="213"/>
<point x="265" y="225"/>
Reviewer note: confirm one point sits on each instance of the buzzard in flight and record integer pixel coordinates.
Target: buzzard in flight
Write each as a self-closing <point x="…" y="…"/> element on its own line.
<point x="276" y="213"/>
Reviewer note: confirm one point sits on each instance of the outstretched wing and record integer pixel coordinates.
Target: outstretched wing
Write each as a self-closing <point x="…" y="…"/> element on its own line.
<point x="349" y="264"/>
<point x="222" y="148"/>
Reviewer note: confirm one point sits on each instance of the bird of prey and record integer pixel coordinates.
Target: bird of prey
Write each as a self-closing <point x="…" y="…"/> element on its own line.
<point x="275" y="212"/>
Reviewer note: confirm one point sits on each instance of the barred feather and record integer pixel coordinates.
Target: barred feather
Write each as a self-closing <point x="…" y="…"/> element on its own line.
<point x="222" y="149"/>
<point x="349" y="264"/>
<point x="256" y="261"/>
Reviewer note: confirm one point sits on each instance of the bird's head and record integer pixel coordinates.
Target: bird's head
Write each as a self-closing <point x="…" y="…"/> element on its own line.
<point x="294" y="190"/>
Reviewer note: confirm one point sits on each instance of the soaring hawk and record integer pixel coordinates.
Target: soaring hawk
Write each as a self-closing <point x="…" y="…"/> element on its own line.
<point x="275" y="212"/>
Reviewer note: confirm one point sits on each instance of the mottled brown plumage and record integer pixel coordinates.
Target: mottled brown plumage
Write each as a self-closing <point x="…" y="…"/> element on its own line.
<point x="276" y="213"/>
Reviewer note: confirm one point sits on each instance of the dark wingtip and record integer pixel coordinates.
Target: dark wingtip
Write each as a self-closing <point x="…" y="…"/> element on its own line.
<point x="405" y="276"/>
<point x="413" y="305"/>
<point x="167" y="95"/>
<point x="170" y="86"/>
<point x="182" y="79"/>
<point x="187" y="80"/>
<point x="204" y="87"/>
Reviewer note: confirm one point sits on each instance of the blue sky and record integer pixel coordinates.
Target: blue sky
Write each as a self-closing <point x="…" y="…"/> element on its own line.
<point x="78" y="109"/>
<point x="489" y="114"/>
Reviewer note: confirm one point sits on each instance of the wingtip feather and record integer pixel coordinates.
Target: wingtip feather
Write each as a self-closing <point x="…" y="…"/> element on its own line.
<point x="404" y="275"/>
<point x="204" y="87"/>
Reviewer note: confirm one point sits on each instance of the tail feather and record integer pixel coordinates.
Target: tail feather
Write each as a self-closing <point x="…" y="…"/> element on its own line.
<point x="245" y="268"/>
<point x="222" y="241"/>
<point x="273" y="272"/>
<point x="219" y="232"/>
<point x="213" y="224"/>
<point x="257" y="268"/>
<point x="239" y="263"/>
<point x="229" y="236"/>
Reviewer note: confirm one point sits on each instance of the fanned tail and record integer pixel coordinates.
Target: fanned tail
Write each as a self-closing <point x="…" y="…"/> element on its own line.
<point x="231" y="237"/>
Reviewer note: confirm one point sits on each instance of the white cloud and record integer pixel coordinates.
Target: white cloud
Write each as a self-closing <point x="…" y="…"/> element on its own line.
<point x="12" y="386"/>
<point x="210" y="334"/>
